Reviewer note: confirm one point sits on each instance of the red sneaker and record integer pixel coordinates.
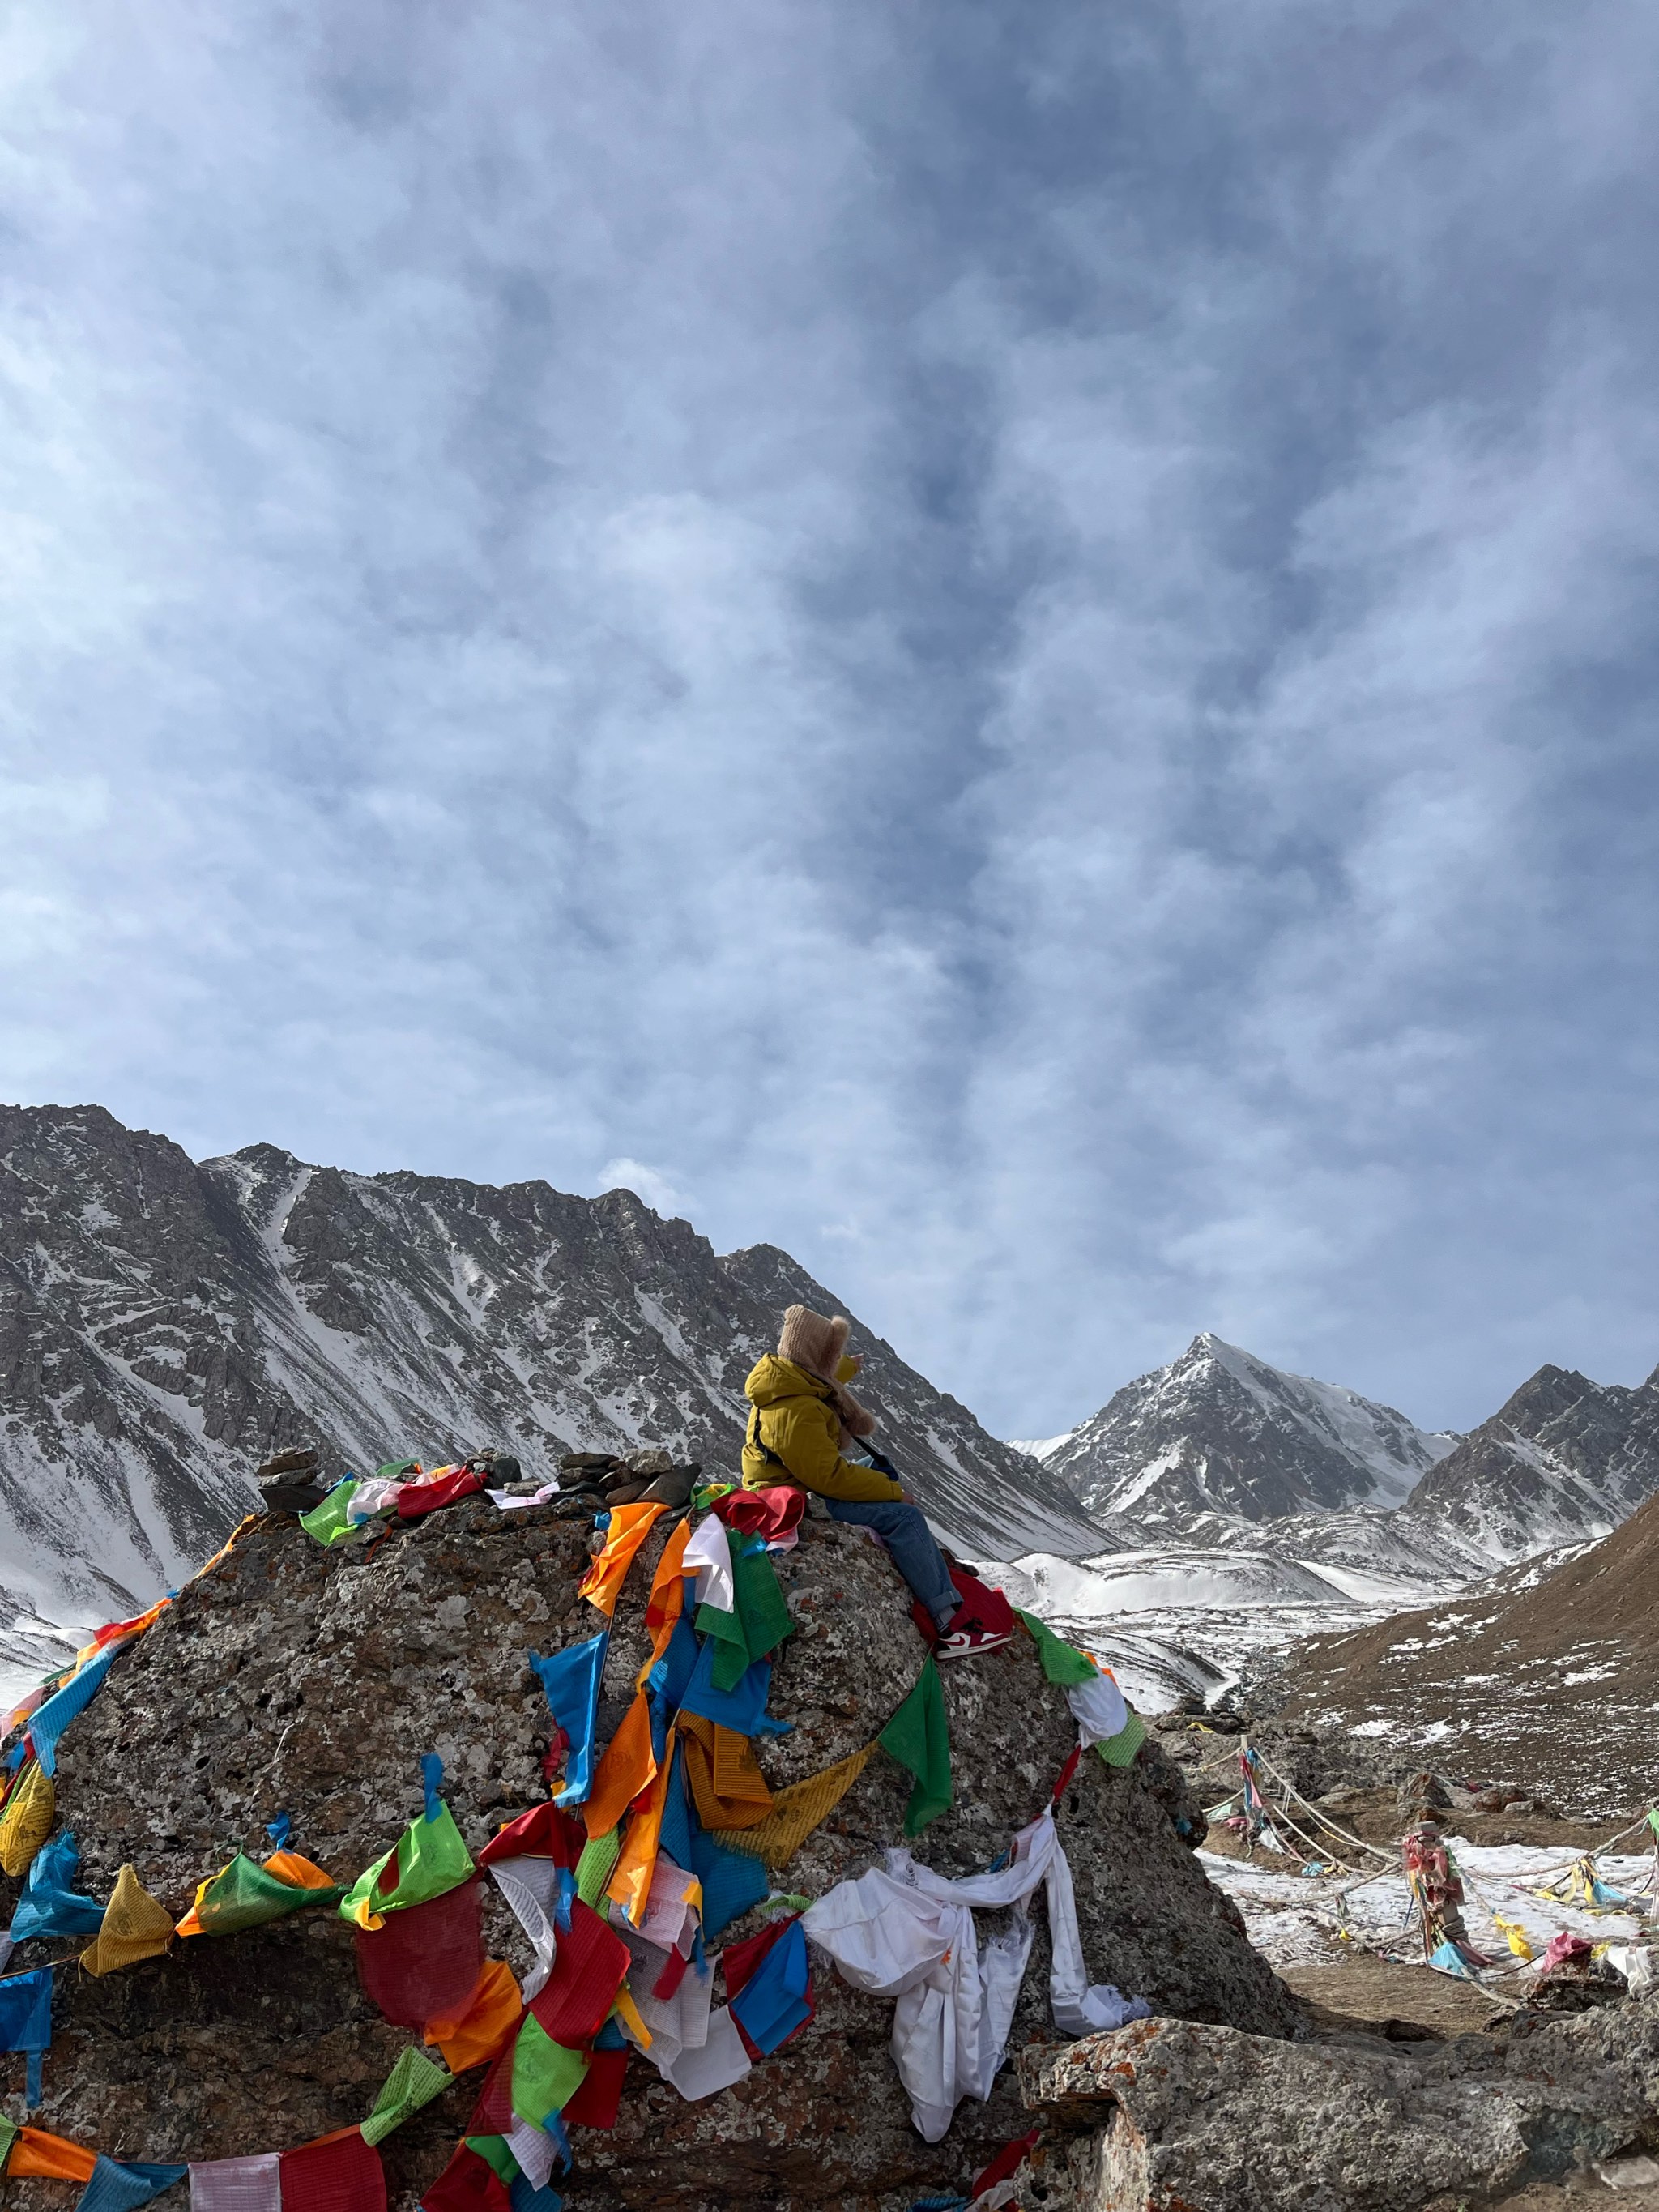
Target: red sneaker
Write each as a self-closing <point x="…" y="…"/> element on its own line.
<point x="968" y="1643"/>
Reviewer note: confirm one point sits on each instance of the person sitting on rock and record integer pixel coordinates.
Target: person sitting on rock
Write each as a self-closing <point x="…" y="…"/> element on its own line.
<point x="802" y="1422"/>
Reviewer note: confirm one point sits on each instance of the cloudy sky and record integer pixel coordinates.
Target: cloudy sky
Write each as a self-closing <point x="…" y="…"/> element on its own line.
<point x="1011" y="647"/>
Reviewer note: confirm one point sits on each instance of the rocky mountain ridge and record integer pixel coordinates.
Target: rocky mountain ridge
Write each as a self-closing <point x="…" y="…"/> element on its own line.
<point x="1220" y="1431"/>
<point x="165" y="1324"/>
<point x="1220" y="1449"/>
<point x="1564" y="1461"/>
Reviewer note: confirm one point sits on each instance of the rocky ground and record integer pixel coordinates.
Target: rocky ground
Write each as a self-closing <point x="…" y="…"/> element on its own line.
<point x="312" y="1681"/>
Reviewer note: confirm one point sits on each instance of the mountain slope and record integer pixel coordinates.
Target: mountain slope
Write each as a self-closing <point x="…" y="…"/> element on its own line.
<point x="165" y="1325"/>
<point x="1220" y="1431"/>
<point x="1544" y="1674"/>
<point x="1565" y="1461"/>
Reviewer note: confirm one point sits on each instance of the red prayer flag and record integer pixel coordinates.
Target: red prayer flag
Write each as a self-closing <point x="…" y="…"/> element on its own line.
<point x="1066" y="1774"/>
<point x="672" y="1975"/>
<point x="587" y="1975"/>
<point x="417" y="1497"/>
<point x="424" y="1962"/>
<point x="771" y="1512"/>
<point x="595" y="2103"/>
<point x="339" y="2173"/>
<point x="467" y="2183"/>
<point x="546" y="1832"/>
<point x="740" y="1960"/>
<point x="493" y="2114"/>
<point x="1005" y="2162"/>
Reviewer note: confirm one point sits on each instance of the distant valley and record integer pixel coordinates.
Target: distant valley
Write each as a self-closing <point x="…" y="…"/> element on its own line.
<point x="1247" y="1508"/>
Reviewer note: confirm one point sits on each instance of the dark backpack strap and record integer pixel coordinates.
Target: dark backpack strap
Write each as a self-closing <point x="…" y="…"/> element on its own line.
<point x="758" y="1443"/>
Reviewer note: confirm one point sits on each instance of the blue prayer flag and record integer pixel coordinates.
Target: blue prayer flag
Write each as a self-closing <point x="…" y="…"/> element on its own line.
<point x="50" y="1719"/>
<point x="774" y="2001"/>
<point x="50" y="1905"/>
<point x="571" y="1681"/>
<point x="123" y="2185"/>
<point x="25" y="2023"/>
<point x="731" y="1881"/>
<point x="742" y="1707"/>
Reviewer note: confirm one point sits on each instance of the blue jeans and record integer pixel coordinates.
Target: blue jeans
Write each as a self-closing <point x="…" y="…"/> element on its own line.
<point x="905" y="1532"/>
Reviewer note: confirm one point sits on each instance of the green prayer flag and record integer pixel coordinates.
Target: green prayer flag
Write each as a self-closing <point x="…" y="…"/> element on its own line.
<point x="545" y="2076"/>
<point x="731" y="1658"/>
<point x="597" y="1864"/>
<point x="327" y="1523"/>
<point x="414" y="2080"/>
<point x="493" y="2150"/>
<point x="1653" y="1818"/>
<point x="766" y="1617"/>
<point x="395" y="1470"/>
<point x="1119" y="1750"/>
<point x="430" y="1859"/>
<point x="919" y="1737"/>
<point x="243" y="1895"/>
<point x="1062" y="1662"/>
<point x="757" y="1623"/>
<point x="8" y="2137"/>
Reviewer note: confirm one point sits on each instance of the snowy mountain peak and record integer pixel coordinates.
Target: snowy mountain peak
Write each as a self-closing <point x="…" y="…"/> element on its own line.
<point x="165" y="1324"/>
<point x="1218" y="1430"/>
<point x="1562" y="1460"/>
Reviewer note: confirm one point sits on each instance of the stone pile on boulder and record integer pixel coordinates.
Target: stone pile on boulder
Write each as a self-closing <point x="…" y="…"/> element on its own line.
<point x="292" y="1678"/>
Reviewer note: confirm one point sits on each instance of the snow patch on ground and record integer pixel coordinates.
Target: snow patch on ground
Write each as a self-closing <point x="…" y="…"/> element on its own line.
<point x="1291" y="1917"/>
<point x="1180" y="1623"/>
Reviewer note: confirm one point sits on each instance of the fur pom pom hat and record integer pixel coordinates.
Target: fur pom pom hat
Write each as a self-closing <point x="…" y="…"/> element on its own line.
<point x="817" y="1342"/>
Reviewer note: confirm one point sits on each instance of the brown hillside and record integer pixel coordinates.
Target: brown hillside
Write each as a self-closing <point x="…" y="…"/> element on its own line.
<point x="1545" y="1676"/>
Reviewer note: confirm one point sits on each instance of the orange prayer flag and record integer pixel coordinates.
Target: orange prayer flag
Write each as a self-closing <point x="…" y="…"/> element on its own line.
<point x="728" y="1786"/>
<point x="292" y="1868"/>
<point x="482" y="2031"/>
<point x="662" y="1608"/>
<point x="248" y="1522"/>
<point x="627" y="1767"/>
<point x="630" y="1884"/>
<point x="52" y="2158"/>
<point x="113" y="1631"/>
<point x="629" y="1527"/>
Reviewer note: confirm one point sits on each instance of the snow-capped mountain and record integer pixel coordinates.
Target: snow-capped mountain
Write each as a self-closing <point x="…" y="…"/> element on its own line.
<point x="1563" y="1461"/>
<point x="1220" y="1432"/>
<point x="165" y="1325"/>
<point x="1040" y="1447"/>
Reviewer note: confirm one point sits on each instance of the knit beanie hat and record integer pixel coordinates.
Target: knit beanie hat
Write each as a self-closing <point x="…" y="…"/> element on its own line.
<point x="814" y="1341"/>
<point x="817" y="1342"/>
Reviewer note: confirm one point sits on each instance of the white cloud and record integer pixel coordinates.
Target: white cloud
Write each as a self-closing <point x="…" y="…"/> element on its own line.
<point x="1025" y="655"/>
<point x="658" y="1192"/>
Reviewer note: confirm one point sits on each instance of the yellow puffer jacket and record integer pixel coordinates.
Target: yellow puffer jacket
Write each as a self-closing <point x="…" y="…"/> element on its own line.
<point x="793" y="1417"/>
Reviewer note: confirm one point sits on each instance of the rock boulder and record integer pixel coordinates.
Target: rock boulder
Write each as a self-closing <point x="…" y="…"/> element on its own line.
<point x="1176" y="2116"/>
<point x="310" y="1681"/>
